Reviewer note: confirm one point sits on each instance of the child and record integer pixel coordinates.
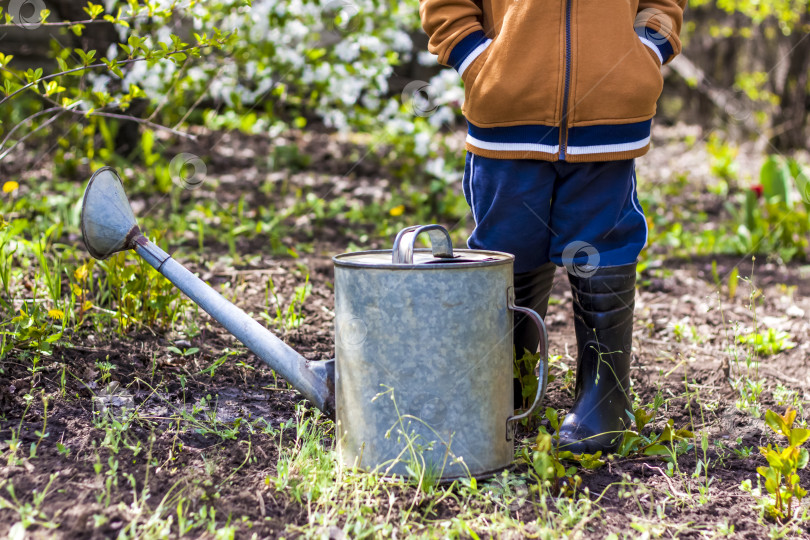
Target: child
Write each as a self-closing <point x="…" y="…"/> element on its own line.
<point x="559" y="99"/>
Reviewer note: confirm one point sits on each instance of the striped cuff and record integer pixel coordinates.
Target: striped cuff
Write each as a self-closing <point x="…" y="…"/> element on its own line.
<point x="467" y="50"/>
<point x="658" y="43"/>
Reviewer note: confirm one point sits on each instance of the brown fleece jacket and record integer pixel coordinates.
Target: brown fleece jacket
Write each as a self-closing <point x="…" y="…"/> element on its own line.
<point x="556" y="79"/>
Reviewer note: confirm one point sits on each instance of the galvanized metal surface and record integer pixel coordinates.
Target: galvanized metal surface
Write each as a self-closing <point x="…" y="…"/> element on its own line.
<point x="424" y="364"/>
<point x="108" y="225"/>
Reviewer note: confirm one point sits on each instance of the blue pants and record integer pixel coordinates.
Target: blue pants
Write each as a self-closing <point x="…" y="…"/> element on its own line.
<point x="567" y="213"/>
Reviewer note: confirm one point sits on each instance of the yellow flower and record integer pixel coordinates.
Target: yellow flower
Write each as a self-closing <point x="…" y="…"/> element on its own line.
<point x="87" y="305"/>
<point x="81" y="273"/>
<point x="10" y="186"/>
<point x="397" y="210"/>
<point x="77" y="291"/>
<point x="56" y="314"/>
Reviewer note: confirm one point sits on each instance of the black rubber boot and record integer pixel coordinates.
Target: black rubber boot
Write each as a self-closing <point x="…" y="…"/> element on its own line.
<point x="532" y="290"/>
<point x="603" y="321"/>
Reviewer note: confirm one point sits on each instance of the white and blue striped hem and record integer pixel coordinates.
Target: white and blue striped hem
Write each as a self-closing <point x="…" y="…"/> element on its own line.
<point x="607" y="148"/>
<point x="512" y="146"/>
<point x="581" y="140"/>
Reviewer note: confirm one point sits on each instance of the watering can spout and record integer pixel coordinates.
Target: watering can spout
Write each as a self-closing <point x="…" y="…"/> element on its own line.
<point x="109" y="226"/>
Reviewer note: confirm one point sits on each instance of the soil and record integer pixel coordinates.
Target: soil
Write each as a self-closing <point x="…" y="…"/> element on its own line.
<point x="675" y="294"/>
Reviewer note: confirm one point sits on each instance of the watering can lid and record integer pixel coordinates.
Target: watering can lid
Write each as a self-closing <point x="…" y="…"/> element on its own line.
<point x="440" y="254"/>
<point x="424" y="258"/>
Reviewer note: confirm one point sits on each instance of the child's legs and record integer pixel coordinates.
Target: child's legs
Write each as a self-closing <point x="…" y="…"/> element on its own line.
<point x="511" y="203"/>
<point x="595" y="215"/>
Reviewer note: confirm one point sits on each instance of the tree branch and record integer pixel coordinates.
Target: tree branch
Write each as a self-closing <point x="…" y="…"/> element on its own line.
<point x="87" y="67"/>
<point x="142" y="121"/>
<point x="59" y="111"/>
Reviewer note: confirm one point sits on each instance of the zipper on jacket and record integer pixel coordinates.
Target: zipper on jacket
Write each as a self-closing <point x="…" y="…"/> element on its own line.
<point x="564" y="122"/>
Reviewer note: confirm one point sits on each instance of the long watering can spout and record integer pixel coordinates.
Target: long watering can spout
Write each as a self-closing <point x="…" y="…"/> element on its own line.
<point x="108" y="226"/>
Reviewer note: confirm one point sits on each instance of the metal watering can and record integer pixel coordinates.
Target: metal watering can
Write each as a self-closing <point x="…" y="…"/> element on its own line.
<point x="422" y="379"/>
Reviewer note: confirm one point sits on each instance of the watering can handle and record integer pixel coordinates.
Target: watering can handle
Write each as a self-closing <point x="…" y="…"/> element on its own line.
<point x="440" y="242"/>
<point x="542" y="376"/>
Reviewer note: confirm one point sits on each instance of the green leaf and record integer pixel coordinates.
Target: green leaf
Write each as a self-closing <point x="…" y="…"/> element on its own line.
<point x="553" y="419"/>
<point x="802" y="177"/>
<point x="771" y="482"/>
<point x="733" y="279"/>
<point x="804" y="457"/>
<point x="774" y="460"/>
<point x="667" y="435"/>
<point x="642" y="418"/>
<point x="566" y="454"/>
<point x="592" y="461"/>
<point x="117" y="70"/>
<point x="630" y="443"/>
<point x="94" y="10"/>
<point x="135" y="42"/>
<point x="775" y="179"/>
<point x="179" y="58"/>
<point x="32" y="76"/>
<point x="656" y="450"/>
<point x="788" y="418"/>
<point x="798" y="436"/>
<point x="774" y="421"/>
